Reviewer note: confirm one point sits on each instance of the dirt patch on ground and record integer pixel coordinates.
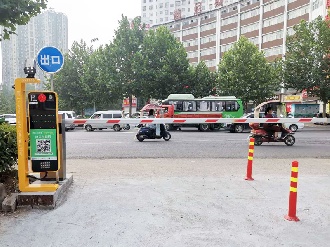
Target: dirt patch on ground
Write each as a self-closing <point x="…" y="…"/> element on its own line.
<point x="9" y="179"/>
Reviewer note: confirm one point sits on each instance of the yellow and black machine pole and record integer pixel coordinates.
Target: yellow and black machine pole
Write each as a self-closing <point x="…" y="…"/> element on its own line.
<point x="41" y="132"/>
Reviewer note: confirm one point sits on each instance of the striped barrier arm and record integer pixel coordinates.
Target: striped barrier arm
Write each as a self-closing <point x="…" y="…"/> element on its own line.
<point x="195" y="120"/>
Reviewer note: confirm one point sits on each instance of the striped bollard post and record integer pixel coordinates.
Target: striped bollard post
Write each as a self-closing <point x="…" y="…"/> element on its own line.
<point x="293" y="193"/>
<point x="250" y="160"/>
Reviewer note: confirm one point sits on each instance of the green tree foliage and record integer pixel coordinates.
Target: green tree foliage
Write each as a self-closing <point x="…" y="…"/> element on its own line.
<point x="245" y="73"/>
<point x="118" y="58"/>
<point x="307" y="62"/>
<point x="202" y="80"/>
<point x="161" y="67"/>
<point x="69" y="82"/>
<point x="18" y="12"/>
<point x="8" y="147"/>
<point x="7" y="100"/>
<point x="101" y="91"/>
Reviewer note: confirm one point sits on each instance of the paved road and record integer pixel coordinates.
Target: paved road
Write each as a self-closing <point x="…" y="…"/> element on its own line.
<point x="179" y="203"/>
<point x="311" y="142"/>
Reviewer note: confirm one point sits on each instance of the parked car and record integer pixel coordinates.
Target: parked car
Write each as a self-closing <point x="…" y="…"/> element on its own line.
<point x="68" y="115"/>
<point x="10" y="118"/>
<point x="320" y="115"/>
<point x="240" y="127"/>
<point x="2" y="119"/>
<point x="104" y="115"/>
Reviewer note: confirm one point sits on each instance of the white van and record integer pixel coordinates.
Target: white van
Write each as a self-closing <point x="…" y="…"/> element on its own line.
<point x="102" y="124"/>
<point x="68" y="115"/>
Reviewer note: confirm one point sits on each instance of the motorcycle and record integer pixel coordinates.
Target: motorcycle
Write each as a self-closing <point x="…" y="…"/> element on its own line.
<point x="260" y="135"/>
<point x="150" y="133"/>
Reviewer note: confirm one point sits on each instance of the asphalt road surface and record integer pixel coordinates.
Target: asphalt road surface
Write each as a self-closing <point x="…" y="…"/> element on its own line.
<point x="311" y="142"/>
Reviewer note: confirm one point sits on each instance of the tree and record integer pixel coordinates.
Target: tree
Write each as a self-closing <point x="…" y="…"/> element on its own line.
<point x="7" y="100"/>
<point x="69" y="83"/>
<point x="161" y="67"/>
<point x="307" y="61"/>
<point x="102" y="91"/>
<point x="245" y="73"/>
<point x="119" y="58"/>
<point x="202" y="80"/>
<point x="18" y="12"/>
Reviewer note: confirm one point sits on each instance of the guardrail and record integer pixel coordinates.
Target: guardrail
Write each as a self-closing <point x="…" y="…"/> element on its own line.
<point x="195" y="120"/>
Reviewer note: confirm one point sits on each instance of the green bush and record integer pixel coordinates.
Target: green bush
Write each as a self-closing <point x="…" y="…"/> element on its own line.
<point x="8" y="147"/>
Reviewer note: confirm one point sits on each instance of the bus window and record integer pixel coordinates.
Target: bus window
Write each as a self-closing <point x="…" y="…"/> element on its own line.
<point x="189" y="106"/>
<point x="203" y="105"/>
<point x="232" y="106"/>
<point x="218" y="105"/>
<point x="178" y="106"/>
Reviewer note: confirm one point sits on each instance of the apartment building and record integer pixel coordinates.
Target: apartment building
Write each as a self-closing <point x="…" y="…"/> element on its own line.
<point x="156" y="12"/>
<point x="49" y="28"/>
<point x="208" y="34"/>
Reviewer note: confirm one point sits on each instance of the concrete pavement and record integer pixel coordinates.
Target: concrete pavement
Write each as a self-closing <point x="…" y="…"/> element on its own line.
<point x="180" y="202"/>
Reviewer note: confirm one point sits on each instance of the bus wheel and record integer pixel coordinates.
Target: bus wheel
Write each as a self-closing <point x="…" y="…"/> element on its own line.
<point x="238" y="128"/>
<point x="204" y="127"/>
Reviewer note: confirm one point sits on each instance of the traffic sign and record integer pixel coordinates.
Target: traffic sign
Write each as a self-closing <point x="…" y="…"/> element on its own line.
<point x="50" y="59"/>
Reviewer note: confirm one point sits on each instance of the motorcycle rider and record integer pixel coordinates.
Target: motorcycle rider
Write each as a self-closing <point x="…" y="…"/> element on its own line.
<point x="271" y="127"/>
<point x="156" y="127"/>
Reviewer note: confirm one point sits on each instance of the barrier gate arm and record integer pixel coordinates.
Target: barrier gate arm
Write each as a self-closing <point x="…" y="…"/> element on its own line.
<point x="195" y="120"/>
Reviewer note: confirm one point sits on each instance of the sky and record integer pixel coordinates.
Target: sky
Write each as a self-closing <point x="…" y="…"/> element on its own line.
<point x="95" y="19"/>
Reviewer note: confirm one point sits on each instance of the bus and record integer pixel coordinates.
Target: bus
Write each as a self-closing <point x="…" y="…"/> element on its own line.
<point x="187" y="106"/>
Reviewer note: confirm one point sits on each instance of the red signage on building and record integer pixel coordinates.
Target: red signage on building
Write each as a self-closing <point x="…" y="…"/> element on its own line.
<point x="177" y="14"/>
<point x="126" y="102"/>
<point x="198" y="8"/>
<point x="218" y="3"/>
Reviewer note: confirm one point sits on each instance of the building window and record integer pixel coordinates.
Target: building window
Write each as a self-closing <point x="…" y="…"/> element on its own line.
<point x="290" y="31"/>
<point x="189" y="43"/>
<point x="254" y="40"/>
<point x="317" y="4"/>
<point x="273" y="51"/>
<point x="192" y="54"/>
<point x="273" y="5"/>
<point x="228" y="34"/>
<point x="190" y="31"/>
<point x="250" y="14"/>
<point x="210" y="63"/>
<point x="226" y="47"/>
<point x="250" y="28"/>
<point x="272" y="36"/>
<point x="208" y="51"/>
<point x="208" y="26"/>
<point x="298" y="12"/>
<point x="208" y="39"/>
<point x="229" y="20"/>
<point x="273" y="21"/>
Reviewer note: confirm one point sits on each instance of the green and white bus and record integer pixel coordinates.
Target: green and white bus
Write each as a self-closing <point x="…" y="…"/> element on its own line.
<point x="187" y="106"/>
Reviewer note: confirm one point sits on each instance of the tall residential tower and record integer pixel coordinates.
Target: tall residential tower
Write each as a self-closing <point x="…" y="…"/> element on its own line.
<point x="49" y="28"/>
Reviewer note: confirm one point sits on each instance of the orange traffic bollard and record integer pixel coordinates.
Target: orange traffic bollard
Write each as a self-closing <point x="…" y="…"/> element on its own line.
<point x="293" y="193"/>
<point x="250" y="160"/>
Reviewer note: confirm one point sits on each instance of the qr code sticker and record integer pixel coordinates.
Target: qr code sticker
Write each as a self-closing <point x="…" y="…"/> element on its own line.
<point x="43" y="146"/>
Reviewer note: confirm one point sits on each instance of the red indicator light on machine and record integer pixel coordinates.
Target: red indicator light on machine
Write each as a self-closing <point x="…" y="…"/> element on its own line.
<point x="42" y="98"/>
